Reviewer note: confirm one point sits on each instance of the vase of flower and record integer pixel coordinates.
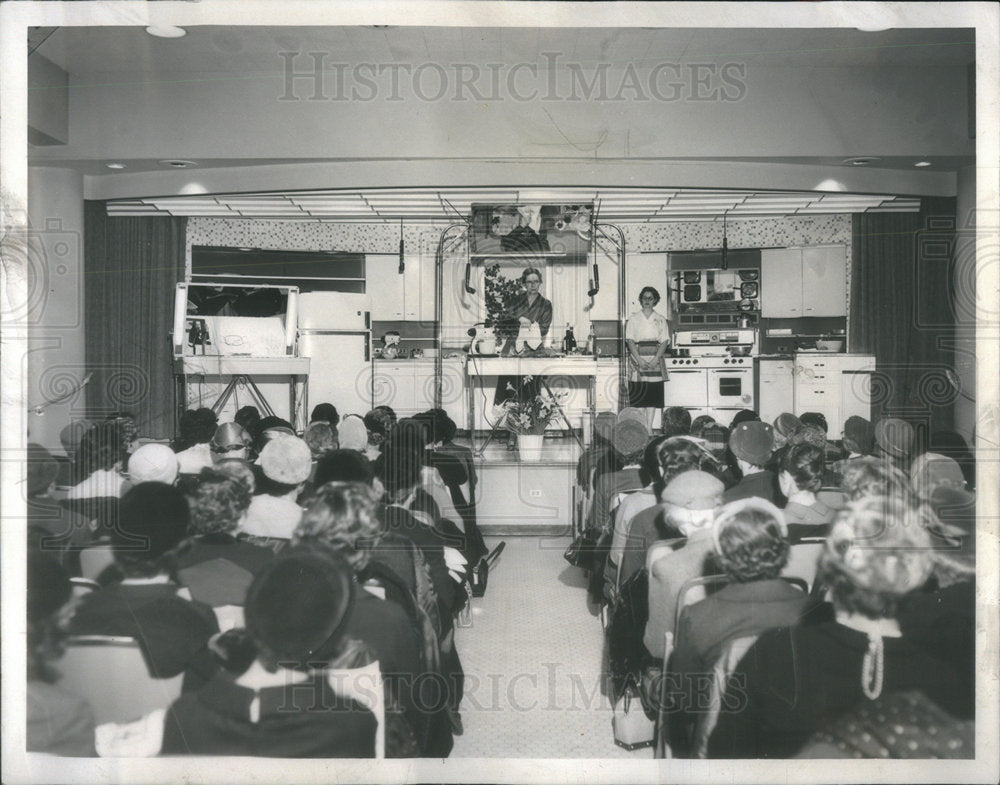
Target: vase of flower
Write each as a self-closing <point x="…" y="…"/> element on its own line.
<point x="529" y="446"/>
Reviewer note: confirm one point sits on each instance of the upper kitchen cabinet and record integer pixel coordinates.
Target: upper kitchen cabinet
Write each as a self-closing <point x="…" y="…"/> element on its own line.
<point x="395" y="296"/>
<point x="809" y="281"/>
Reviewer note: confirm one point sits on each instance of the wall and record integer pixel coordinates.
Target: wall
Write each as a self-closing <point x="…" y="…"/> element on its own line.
<point x="964" y="302"/>
<point x="56" y="358"/>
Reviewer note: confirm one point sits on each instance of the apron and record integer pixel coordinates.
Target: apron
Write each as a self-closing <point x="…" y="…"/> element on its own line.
<point x="645" y="387"/>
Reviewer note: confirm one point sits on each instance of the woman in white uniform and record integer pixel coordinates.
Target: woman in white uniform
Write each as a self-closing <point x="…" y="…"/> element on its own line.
<point x="647" y="337"/>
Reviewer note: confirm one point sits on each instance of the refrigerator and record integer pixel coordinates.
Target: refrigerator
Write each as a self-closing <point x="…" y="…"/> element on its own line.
<point x="335" y="334"/>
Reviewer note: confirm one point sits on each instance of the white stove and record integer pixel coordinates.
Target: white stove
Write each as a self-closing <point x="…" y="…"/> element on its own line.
<point x="712" y="372"/>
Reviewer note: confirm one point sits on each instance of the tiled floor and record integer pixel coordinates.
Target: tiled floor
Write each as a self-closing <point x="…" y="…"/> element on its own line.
<point x="532" y="659"/>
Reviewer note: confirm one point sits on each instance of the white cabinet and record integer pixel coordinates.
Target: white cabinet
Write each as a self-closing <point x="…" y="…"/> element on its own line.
<point x="810" y="281"/>
<point x="607" y="386"/>
<point x="405" y="385"/>
<point x="400" y="297"/>
<point x="775" y="391"/>
<point x="836" y="385"/>
<point x="453" y="392"/>
<point x="781" y="283"/>
<point x="824" y="281"/>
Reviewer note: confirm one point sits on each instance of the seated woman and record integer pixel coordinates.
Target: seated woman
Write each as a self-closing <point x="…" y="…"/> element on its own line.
<point x="282" y="705"/>
<point x="143" y="601"/>
<point x="58" y="721"/>
<point x="800" y="476"/>
<point x="217" y="567"/>
<point x="101" y="457"/>
<point x="343" y="517"/>
<point x="794" y="680"/>
<point x="750" y="545"/>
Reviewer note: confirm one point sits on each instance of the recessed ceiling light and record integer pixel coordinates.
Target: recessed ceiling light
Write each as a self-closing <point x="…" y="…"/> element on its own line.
<point x="175" y="163"/>
<point x="166" y="31"/>
<point x="922" y="163"/>
<point x="861" y="161"/>
<point x="115" y="166"/>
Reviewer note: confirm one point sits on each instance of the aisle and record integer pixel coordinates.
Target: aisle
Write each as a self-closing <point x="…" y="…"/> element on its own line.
<point x="532" y="659"/>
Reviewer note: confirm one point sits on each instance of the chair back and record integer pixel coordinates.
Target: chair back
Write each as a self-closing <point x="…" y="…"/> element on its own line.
<point x="723" y="669"/>
<point x="363" y="685"/>
<point x="661" y="745"/>
<point x="695" y="590"/>
<point x="95" y="560"/>
<point x="803" y="559"/>
<point x="834" y="498"/>
<point x="111" y="673"/>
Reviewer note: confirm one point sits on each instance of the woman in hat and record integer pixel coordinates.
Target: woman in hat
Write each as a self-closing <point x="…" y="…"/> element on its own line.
<point x="795" y="679"/>
<point x="647" y="336"/>
<point x="800" y="477"/>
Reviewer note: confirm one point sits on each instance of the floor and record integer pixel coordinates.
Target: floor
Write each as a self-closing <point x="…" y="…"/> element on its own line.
<point x="532" y="654"/>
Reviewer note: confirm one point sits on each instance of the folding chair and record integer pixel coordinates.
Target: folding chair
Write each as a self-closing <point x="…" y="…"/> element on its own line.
<point x="95" y="560"/>
<point x="803" y="559"/>
<point x="723" y="669"/>
<point x="111" y="673"/>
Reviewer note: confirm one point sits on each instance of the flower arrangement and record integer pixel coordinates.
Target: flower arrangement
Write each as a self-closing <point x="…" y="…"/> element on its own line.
<point x="499" y="291"/>
<point x="531" y="415"/>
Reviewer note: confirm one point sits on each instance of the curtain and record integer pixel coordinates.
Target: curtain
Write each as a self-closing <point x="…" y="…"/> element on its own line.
<point x="131" y="268"/>
<point x="902" y="311"/>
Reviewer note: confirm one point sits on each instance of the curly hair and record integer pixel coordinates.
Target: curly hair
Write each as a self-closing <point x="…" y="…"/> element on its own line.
<point x="808" y="434"/>
<point x="676" y="421"/>
<point x="343" y="516"/>
<point x="677" y="454"/>
<point x="218" y="502"/>
<point x="197" y="426"/>
<point x="805" y="463"/>
<point x="321" y="438"/>
<point x="101" y="448"/>
<point x="751" y="540"/>
<point x="869" y="476"/>
<point x="878" y="551"/>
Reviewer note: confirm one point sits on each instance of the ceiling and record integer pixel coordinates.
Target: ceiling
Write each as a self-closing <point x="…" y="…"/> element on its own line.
<point x="130" y="52"/>
<point x="618" y="205"/>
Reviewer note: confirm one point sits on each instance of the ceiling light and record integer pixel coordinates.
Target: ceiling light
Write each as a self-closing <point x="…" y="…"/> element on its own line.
<point x="861" y="161"/>
<point x="115" y="166"/>
<point x="922" y="163"/>
<point x="177" y="163"/>
<point x="166" y="31"/>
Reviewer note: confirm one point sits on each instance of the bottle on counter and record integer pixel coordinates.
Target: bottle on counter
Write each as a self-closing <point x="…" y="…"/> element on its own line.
<point x="592" y="341"/>
<point x="569" y="340"/>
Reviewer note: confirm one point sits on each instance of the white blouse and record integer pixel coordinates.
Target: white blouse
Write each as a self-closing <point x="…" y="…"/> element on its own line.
<point x="639" y="328"/>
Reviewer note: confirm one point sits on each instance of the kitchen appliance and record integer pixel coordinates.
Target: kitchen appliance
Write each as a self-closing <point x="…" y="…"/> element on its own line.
<point x="335" y="332"/>
<point x="484" y="340"/>
<point x="712" y="372"/>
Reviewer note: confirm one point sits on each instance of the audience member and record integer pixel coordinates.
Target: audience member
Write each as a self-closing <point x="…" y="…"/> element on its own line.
<point x="785" y="424"/>
<point x="744" y="415"/>
<point x="600" y="455"/>
<point x="52" y="529"/>
<point x="629" y="441"/>
<point x="285" y="464"/>
<point x="325" y="412"/>
<point x="247" y="418"/>
<point x="689" y="502"/>
<point x="57" y="721"/>
<point x="101" y="456"/>
<point x="795" y="678"/>
<point x="800" y="479"/>
<point x="751" y="444"/>
<point x="353" y="433"/>
<point x="894" y="442"/>
<point x="676" y="421"/>
<point x="144" y="604"/>
<point x="216" y="567"/>
<point x="378" y="423"/>
<point x="153" y="463"/>
<point x="230" y="440"/>
<point x="954" y="446"/>
<point x="699" y="424"/>
<point x="197" y="426"/>
<point x="321" y="438"/>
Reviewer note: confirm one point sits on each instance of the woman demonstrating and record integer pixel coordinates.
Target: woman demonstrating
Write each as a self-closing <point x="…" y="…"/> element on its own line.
<point x="647" y="337"/>
<point x="526" y="309"/>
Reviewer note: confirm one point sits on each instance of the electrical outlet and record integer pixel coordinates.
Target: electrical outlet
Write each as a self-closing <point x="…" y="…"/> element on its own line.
<point x="535" y="493"/>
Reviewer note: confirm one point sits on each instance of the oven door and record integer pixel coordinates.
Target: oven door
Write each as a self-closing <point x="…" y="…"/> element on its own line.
<point x="730" y="388"/>
<point x="685" y="387"/>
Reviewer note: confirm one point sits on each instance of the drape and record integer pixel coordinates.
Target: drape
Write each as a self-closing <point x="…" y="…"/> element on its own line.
<point x="902" y="311"/>
<point x="131" y="268"/>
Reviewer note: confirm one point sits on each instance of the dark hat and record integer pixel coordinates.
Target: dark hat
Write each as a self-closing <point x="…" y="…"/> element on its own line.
<point x="299" y="604"/>
<point x="784" y="426"/>
<point x="48" y="586"/>
<point x="715" y="436"/>
<point x="42" y="469"/>
<point x="752" y="442"/>
<point x="694" y="490"/>
<point x="153" y="518"/>
<point x="894" y="436"/>
<point x="859" y="435"/>
<point x="630" y="436"/>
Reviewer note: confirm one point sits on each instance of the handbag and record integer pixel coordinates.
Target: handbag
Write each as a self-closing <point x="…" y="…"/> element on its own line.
<point x="633" y="730"/>
<point x="580" y="552"/>
<point x="481" y="572"/>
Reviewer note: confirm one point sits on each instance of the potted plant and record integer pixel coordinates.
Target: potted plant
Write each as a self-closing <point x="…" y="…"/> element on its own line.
<point x="529" y="414"/>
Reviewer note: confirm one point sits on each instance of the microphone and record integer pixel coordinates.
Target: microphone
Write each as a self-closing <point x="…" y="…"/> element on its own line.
<point x="595" y="284"/>
<point x="468" y="272"/>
